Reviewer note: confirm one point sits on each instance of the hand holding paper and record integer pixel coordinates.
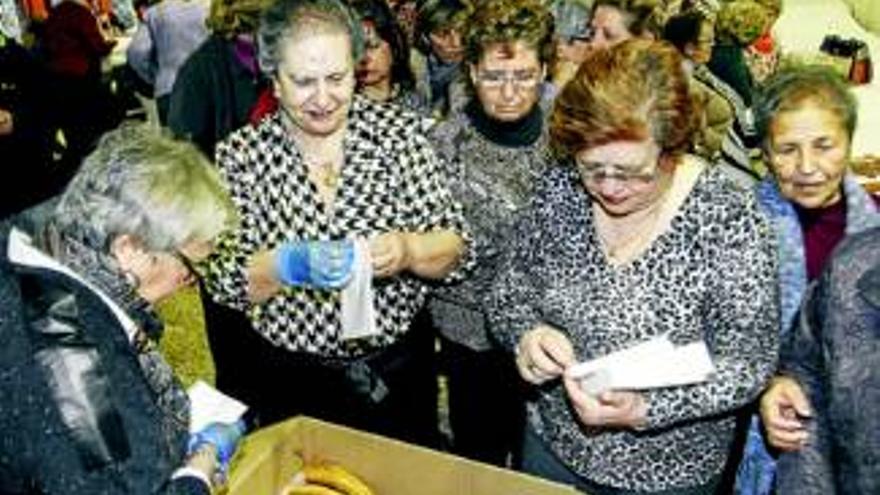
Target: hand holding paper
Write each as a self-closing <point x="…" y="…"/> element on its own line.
<point x="543" y="353"/>
<point x="656" y="363"/>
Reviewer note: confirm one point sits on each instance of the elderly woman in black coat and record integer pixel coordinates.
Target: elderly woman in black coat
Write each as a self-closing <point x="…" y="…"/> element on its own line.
<point x="88" y="405"/>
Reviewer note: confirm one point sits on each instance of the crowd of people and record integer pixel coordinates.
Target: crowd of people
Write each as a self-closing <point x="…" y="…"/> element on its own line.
<point x="372" y="194"/>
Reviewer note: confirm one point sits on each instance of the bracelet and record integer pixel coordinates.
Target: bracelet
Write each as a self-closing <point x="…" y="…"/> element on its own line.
<point x="191" y="472"/>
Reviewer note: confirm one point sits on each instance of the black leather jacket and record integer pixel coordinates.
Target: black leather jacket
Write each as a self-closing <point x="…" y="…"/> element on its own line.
<point x="76" y="414"/>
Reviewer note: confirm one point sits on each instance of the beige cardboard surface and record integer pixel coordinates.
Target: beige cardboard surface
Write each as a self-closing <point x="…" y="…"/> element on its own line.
<point x="267" y="460"/>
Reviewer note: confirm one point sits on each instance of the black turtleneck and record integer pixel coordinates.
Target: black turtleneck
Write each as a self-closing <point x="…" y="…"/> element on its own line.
<point x="523" y="132"/>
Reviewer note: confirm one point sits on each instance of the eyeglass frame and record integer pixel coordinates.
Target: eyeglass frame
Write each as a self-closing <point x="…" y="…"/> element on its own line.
<point x="595" y="172"/>
<point x="190" y="265"/>
<point x="518" y="81"/>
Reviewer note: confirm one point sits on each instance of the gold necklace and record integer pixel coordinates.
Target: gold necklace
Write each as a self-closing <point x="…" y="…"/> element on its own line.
<point x="328" y="175"/>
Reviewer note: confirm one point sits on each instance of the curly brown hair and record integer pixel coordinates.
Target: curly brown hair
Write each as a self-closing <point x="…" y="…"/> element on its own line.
<point x="630" y="92"/>
<point x="509" y="21"/>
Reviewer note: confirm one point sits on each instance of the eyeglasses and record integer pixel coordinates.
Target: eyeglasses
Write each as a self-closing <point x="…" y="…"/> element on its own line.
<point x="190" y="265"/>
<point x="493" y="79"/>
<point x="600" y="172"/>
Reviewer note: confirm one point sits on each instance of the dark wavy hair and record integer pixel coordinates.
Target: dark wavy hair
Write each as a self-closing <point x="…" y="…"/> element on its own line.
<point x="385" y="23"/>
<point x="509" y="21"/>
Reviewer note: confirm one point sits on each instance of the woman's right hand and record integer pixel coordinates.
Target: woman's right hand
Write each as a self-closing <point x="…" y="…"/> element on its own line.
<point x="784" y="409"/>
<point x="543" y="353"/>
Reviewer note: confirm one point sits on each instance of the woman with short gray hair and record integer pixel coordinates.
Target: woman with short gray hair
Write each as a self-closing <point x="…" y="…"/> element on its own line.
<point x="805" y="118"/>
<point x="89" y="404"/>
<point x="328" y="174"/>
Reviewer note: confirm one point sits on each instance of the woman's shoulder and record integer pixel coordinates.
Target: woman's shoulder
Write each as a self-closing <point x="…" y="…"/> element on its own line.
<point x="716" y="191"/>
<point x="388" y="122"/>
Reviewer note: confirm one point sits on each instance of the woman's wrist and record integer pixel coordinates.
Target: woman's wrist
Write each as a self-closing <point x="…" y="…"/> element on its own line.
<point x="204" y="460"/>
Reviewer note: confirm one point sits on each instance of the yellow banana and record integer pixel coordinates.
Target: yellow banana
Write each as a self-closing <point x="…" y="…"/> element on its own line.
<point x="336" y="477"/>
<point x="309" y="489"/>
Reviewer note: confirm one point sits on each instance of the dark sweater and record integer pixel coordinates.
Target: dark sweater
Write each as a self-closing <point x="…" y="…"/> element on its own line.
<point x="213" y="94"/>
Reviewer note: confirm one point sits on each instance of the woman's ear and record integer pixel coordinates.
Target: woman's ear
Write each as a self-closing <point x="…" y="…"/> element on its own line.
<point x="129" y="253"/>
<point x="472" y="72"/>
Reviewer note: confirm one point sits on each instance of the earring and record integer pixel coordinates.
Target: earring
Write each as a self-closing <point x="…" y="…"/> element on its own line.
<point x="131" y="279"/>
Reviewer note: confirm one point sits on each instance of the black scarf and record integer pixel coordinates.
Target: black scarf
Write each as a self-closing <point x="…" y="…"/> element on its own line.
<point x="518" y="134"/>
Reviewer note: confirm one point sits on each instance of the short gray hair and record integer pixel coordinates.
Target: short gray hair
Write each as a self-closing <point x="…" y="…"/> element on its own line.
<point x="791" y="87"/>
<point x="284" y="18"/>
<point x="141" y="183"/>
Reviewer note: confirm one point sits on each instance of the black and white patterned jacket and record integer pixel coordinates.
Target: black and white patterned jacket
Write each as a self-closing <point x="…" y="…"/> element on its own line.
<point x="711" y="276"/>
<point x="391" y="180"/>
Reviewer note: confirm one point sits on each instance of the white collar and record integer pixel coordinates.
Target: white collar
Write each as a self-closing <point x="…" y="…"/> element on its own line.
<point x="21" y="251"/>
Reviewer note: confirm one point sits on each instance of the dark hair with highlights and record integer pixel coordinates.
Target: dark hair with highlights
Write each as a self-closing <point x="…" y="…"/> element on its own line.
<point x="385" y="23"/>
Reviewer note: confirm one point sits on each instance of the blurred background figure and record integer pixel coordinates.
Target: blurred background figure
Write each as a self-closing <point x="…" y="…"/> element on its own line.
<point x="613" y="21"/>
<point x="170" y="32"/>
<point x="612" y="251"/>
<point x="805" y="119"/>
<point x="218" y="84"/>
<point x="739" y="24"/>
<point x="571" y="39"/>
<point x="74" y="46"/>
<point x="496" y="149"/>
<point x="383" y="73"/>
<point x="89" y="405"/>
<point x="440" y="51"/>
<point x="31" y="172"/>
<point x="694" y="35"/>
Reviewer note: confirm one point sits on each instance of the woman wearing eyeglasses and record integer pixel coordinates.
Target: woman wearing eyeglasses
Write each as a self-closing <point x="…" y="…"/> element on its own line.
<point x="497" y="149"/>
<point x="631" y="240"/>
<point x="89" y="405"/>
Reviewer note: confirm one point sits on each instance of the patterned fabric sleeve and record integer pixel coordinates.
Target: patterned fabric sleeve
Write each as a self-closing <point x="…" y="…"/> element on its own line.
<point x="225" y="276"/>
<point x="429" y="201"/>
<point x="509" y="302"/>
<point x="809" y="470"/>
<point x="740" y="317"/>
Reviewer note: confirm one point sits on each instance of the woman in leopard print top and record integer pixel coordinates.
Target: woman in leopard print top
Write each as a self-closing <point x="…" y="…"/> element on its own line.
<point x="635" y="241"/>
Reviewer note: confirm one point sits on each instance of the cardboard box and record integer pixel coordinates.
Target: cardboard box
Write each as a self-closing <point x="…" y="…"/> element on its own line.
<point x="267" y="460"/>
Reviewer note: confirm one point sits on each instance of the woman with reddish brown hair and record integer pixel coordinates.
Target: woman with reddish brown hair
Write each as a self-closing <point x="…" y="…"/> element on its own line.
<point x="648" y="241"/>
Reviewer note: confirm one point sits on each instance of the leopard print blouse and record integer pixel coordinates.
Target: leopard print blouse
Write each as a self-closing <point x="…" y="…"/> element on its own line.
<point x="711" y="276"/>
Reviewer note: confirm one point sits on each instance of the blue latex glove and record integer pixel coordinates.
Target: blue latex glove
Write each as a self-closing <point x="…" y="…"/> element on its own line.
<point x="224" y="437"/>
<point x="320" y="264"/>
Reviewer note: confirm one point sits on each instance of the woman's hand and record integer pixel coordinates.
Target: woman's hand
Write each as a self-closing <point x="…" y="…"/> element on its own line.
<point x="390" y="254"/>
<point x="611" y="408"/>
<point x="543" y="354"/>
<point x="263" y="281"/>
<point x="784" y="407"/>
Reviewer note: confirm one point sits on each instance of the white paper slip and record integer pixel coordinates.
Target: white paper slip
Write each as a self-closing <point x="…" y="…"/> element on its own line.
<point x="358" y="312"/>
<point x="209" y="405"/>
<point x="656" y="363"/>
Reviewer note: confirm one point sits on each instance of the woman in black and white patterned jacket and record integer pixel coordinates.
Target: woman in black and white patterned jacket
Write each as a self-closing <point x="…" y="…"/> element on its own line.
<point x="633" y="240"/>
<point x="327" y="168"/>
